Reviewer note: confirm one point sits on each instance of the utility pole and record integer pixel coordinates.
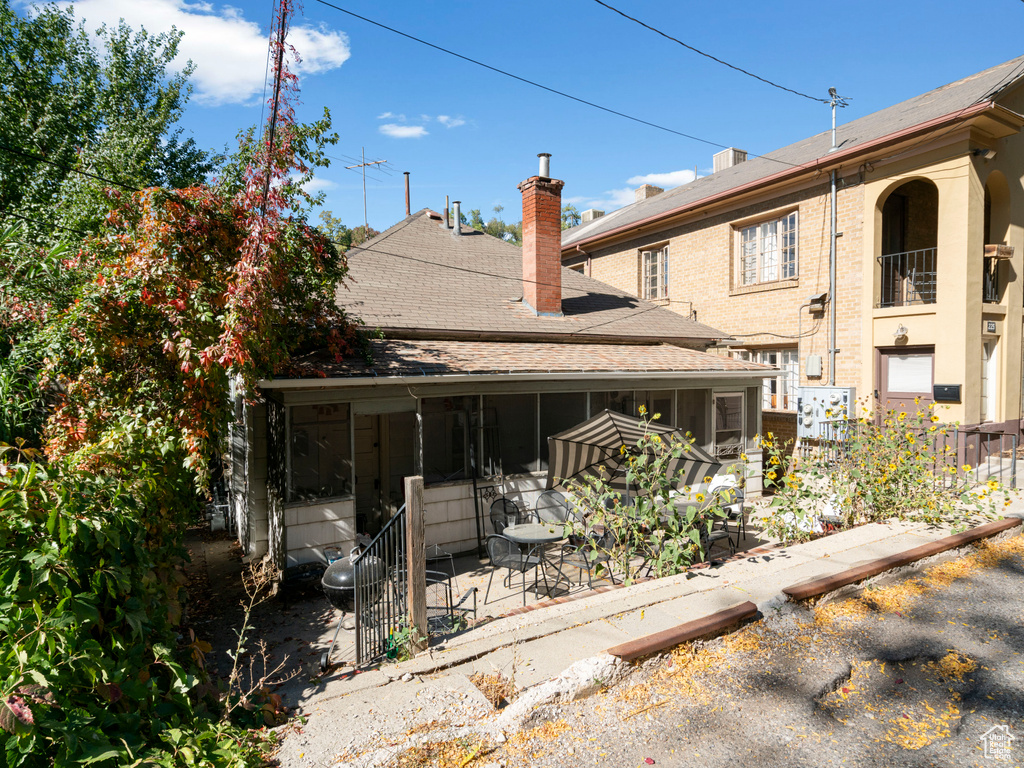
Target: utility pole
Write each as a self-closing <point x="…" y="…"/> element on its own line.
<point x="836" y="101"/>
<point x="366" y="225"/>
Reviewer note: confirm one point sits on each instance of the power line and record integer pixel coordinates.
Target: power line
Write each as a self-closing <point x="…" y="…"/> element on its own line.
<point x="535" y="84"/>
<point x="47" y="223"/>
<point x="466" y="270"/>
<point x="32" y="156"/>
<point x="709" y="56"/>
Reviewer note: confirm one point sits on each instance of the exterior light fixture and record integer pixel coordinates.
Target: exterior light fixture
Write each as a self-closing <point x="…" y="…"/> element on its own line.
<point x="984" y="152"/>
<point x="901" y="332"/>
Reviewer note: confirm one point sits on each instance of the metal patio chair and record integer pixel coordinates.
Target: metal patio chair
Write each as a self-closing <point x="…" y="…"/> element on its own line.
<point x="504" y="512"/>
<point x="589" y="551"/>
<point x="505" y="553"/>
<point x="731" y="496"/>
<point x="553" y="507"/>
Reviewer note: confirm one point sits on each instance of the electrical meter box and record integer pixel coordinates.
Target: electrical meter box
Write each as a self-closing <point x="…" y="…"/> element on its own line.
<point x="821" y="412"/>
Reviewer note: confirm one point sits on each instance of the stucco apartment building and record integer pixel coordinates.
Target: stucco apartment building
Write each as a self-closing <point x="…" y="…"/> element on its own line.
<point x="928" y="239"/>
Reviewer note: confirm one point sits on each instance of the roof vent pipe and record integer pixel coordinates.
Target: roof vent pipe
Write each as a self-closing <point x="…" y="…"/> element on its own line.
<point x="456" y="218"/>
<point x="545" y="165"/>
<point x="444" y="224"/>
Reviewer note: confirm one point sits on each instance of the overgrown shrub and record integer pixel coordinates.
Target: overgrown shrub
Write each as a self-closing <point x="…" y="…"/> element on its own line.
<point x="903" y="465"/>
<point x="91" y="671"/>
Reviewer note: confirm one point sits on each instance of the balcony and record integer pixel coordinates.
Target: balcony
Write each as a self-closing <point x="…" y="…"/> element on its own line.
<point x="992" y="285"/>
<point x="907" y="278"/>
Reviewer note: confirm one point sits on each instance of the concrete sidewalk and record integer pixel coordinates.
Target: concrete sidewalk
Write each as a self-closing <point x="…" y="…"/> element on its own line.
<point x="346" y="712"/>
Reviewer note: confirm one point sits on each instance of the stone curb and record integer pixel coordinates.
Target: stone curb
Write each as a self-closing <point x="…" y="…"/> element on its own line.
<point x="844" y="578"/>
<point x="706" y="625"/>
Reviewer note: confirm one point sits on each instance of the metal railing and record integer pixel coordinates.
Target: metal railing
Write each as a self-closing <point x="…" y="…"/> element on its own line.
<point x="988" y="455"/>
<point x="907" y="278"/>
<point x="990" y="282"/>
<point x="381" y="579"/>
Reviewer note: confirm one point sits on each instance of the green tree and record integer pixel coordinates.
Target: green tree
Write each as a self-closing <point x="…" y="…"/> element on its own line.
<point x="67" y="110"/>
<point x="496" y="227"/>
<point x="570" y="216"/>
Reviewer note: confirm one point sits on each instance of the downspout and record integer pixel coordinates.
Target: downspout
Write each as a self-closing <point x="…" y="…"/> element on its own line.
<point x="584" y="253"/>
<point x="832" y="289"/>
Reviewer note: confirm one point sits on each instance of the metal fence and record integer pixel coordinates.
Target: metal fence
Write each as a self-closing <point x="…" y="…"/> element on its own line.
<point x="381" y="578"/>
<point x="988" y="455"/>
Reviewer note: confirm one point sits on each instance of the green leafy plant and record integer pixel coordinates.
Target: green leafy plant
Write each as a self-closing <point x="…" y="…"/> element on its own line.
<point x="900" y="465"/>
<point x="655" y="531"/>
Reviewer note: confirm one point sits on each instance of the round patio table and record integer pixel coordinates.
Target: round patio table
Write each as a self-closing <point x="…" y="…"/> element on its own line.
<point x="537" y="536"/>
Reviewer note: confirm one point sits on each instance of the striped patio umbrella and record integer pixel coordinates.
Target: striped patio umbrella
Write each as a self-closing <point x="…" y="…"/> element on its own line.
<point x="596" y="443"/>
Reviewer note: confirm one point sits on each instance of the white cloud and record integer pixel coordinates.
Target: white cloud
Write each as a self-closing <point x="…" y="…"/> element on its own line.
<point x="450" y="122"/>
<point x="391" y="116"/>
<point x="665" y="180"/>
<point x="403" y="131"/>
<point x="230" y="53"/>
<point x="315" y="185"/>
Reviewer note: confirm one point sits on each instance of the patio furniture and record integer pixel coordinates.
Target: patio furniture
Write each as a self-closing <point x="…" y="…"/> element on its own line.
<point x="591" y="550"/>
<point x="553" y="507"/>
<point x="598" y="443"/>
<point x="444" y="614"/>
<point x="504" y="512"/>
<point x="440" y="560"/>
<point x="708" y="539"/>
<point x="731" y="496"/>
<point x="505" y="553"/>
<point x="535" y="538"/>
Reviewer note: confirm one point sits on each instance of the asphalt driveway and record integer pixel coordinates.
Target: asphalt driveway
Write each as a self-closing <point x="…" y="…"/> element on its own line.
<point x="913" y="672"/>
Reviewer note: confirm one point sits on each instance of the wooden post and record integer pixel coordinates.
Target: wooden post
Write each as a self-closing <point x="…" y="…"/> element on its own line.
<point x="416" y="559"/>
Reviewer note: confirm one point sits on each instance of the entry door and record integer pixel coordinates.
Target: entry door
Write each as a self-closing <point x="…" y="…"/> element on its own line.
<point x="385" y="456"/>
<point x="903" y="374"/>
<point x="369" y="502"/>
<point x="989" y="380"/>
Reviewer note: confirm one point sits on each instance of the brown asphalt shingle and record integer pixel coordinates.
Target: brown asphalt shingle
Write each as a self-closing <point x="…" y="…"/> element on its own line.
<point x="425" y="357"/>
<point x="418" y="277"/>
<point x="934" y="104"/>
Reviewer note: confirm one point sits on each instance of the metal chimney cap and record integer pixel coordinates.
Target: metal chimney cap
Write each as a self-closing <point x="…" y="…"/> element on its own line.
<point x="545" y="165"/>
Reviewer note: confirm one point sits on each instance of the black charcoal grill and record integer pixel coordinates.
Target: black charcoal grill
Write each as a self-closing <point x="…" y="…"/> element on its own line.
<point x="339" y="584"/>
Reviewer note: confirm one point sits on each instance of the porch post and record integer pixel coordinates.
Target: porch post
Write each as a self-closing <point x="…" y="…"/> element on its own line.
<point x="416" y="560"/>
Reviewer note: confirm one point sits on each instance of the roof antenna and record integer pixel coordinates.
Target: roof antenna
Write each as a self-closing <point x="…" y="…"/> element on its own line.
<point x="836" y="101"/>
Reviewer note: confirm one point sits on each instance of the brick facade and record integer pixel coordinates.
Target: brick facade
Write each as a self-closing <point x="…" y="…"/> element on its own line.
<point x="542" y="244"/>
<point x="704" y="278"/>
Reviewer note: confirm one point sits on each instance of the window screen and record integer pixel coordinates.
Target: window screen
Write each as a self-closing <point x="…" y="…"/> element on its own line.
<point x="321" y="451"/>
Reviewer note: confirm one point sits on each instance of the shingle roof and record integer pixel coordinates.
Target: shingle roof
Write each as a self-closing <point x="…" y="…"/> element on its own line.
<point x="947" y="100"/>
<point x="424" y="357"/>
<point x="417" y="277"/>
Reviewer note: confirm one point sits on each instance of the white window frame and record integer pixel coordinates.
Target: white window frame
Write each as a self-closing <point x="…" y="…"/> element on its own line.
<point x="768" y="250"/>
<point x="654" y="273"/>
<point x="785" y="384"/>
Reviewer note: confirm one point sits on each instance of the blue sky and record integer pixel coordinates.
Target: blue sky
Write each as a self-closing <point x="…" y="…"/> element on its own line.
<point x="464" y="131"/>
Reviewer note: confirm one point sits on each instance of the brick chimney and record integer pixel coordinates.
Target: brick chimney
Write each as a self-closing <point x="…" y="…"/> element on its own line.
<point x="542" y="241"/>
<point x="646" y="191"/>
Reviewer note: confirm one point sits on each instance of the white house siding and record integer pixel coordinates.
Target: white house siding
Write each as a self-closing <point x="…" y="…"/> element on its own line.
<point x="450" y="511"/>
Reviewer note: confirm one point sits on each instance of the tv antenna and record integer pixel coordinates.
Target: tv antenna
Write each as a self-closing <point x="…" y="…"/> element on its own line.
<point x="836" y="101"/>
<point x="363" y="165"/>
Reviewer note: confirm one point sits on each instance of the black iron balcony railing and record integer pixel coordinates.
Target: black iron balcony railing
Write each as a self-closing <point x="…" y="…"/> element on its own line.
<point x="990" y="282"/>
<point x="907" y="278"/>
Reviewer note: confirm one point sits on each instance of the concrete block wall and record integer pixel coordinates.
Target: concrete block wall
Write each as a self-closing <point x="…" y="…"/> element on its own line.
<point x="311" y="527"/>
<point x="450" y="510"/>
